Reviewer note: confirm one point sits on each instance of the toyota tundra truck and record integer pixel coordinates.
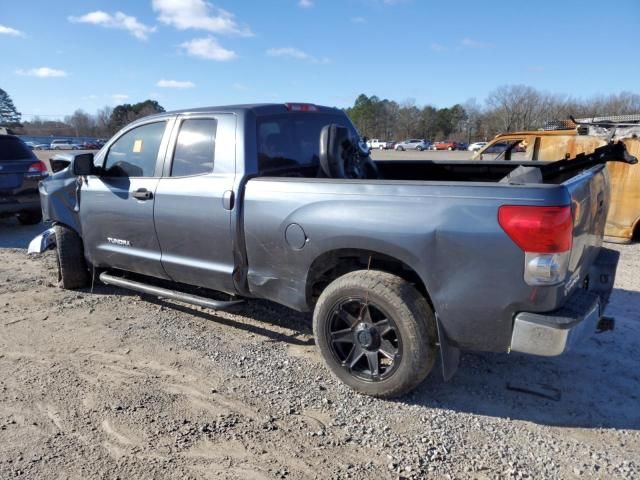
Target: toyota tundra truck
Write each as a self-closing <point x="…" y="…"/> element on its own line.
<point x="399" y="261"/>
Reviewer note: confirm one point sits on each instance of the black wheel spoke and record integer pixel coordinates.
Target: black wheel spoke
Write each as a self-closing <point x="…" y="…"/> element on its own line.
<point x="342" y="336"/>
<point x="388" y="350"/>
<point x="365" y="314"/>
<point x="347" y="318"/>
<point x="383" y="327"/>
<point x="354" y="356"/>
<point x="374" y="364"/>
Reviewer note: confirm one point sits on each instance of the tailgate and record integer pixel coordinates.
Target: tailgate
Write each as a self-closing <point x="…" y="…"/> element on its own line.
<point x="589" y="192"/>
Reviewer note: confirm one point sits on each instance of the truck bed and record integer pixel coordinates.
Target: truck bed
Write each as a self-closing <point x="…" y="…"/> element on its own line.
<point x="438" y="218"/>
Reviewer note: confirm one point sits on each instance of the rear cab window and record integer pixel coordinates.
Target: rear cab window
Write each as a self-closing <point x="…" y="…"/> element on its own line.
<point x="12" y="148"/>
<point x="195" y="147"/>
<point x="292" y="140"/>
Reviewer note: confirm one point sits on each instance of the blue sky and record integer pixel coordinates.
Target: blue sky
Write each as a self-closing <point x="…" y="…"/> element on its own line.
<point x="63" y="55"/>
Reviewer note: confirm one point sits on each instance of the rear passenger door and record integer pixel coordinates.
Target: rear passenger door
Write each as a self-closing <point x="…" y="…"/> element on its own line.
<point x="194" y="201"/>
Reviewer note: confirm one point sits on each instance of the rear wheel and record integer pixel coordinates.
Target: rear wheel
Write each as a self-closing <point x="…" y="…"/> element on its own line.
<point x="72" y="267"/>
<point x="30" y="217"/>
<point x="450" y="148"/>
<point x="376" y="332"/>
<point x="419" y="149"/>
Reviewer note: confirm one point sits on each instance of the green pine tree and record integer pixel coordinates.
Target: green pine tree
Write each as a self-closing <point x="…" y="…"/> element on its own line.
<point x="9" y="115"/>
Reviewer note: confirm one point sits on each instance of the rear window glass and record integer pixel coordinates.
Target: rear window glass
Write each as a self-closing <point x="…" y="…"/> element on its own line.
<point x="293" y="139"/>
<point x="12" y="148"/>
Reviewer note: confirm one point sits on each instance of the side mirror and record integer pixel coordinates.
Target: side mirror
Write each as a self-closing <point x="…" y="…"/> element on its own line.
<point x="83" y="164"/>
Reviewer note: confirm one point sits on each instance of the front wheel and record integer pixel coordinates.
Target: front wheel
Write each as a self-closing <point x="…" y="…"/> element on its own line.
<point x="72" y="268"/>
<point x="376" y="332"/>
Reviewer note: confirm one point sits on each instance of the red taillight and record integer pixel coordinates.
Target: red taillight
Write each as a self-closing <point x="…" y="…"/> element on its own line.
<point x="38" y="167"/>
<point x="538" y="229"/>
<point x="301" y="107"/>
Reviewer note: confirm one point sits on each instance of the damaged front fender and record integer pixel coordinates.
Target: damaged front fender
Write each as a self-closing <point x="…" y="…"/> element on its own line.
<point x="42" y="242"/>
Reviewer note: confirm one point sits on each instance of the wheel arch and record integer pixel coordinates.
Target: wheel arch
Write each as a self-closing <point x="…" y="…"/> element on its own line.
<point x="334" y="263"/>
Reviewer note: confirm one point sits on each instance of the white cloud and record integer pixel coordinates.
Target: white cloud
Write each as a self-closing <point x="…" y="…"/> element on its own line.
<point x="119" y="97"/>
<point x="295" y="53"/>
<point x="290" y="52"/>
<point x="42" y="72"/>
<point x="437" y="47"/>
<point x="198" y="15"/>
<point x="470" y="43"/>
<point x="10" y="31"/>
<point x="208" y="48"/>
<point x="359" y="20"/>
<point x="118" y="20"/>
<point x="175" y="84"/>
<point x="305" y="3"/>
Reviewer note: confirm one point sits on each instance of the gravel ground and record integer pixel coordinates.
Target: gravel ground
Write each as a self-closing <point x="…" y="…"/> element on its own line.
<point x="108" y="384"/>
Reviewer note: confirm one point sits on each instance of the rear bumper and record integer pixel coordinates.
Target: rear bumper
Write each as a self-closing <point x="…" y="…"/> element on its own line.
<point x="32" y="202"/>
<point x="551" y="334"/>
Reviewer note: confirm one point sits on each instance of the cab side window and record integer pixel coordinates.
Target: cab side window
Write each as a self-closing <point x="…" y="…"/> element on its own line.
<point x="195" y="147"/>
<point x="135" y="153"/>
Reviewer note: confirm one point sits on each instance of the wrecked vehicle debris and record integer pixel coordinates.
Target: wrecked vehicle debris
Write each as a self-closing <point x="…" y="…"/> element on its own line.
<point x="570" y="138"/>
<point x="397" y="259"/>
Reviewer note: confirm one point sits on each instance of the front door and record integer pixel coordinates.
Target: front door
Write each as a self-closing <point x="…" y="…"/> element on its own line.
<point x="116" y="207"/>
<point x="194" y="202"/>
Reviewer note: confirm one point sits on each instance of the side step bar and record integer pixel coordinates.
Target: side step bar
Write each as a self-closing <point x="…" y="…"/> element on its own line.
<point x="166" y="293"/>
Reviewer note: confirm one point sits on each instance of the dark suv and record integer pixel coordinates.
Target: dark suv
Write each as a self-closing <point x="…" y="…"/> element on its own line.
<point x="20" y="172"/>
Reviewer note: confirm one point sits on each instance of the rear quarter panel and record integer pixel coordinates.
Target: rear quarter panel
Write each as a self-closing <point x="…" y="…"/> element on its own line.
<point x="447" y="233"/>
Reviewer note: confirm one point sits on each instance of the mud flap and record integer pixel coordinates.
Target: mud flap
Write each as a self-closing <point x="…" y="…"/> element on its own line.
<point x="602" y="275"/>
<point x="449" y="354"/>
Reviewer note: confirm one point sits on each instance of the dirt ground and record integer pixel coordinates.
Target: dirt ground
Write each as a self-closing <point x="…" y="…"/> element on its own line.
<point x="106" y="384"/>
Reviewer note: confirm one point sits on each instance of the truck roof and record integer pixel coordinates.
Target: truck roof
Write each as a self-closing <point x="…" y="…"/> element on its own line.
<point x="256" y="108"/>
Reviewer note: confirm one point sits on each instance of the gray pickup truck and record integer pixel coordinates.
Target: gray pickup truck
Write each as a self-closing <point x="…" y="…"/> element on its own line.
<point x="400" y="261"/>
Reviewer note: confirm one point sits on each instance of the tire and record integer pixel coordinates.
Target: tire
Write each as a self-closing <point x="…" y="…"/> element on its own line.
<point x="380" y="147"/>
<point x="419" y="149"/>
<point x="450" y="148"/>
<point x="401" y="149"/>
<point x="72" y="267"/>
<point x="30" y="217"/>
<point x="394" y="317"/>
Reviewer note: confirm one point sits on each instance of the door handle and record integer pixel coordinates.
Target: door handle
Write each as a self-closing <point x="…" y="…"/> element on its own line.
<point x="142" y="194"/>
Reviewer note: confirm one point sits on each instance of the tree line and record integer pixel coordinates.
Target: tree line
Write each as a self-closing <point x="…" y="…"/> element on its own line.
<point x="104" y="123"/>
<point x="506" y="109"/>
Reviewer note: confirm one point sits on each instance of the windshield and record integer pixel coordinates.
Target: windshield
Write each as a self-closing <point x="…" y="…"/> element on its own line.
<point x="506" y="148"/>
<point x="293" y="139"/>
<point x="12" y="148"/>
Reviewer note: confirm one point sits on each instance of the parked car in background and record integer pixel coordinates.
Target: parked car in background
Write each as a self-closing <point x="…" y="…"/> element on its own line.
<point x="462" y="146"/>
<point x="64" y="144"/>
<point x="412" y="144"/>
<point x="623" y="220"/>
<point x="474" y="147"/>
<point x="31" y="145"/>
<point x="376" y="144"/>
<point x="90" y="145"/>
<point x="444" y="146"/>
<point x="20" y="173"/>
